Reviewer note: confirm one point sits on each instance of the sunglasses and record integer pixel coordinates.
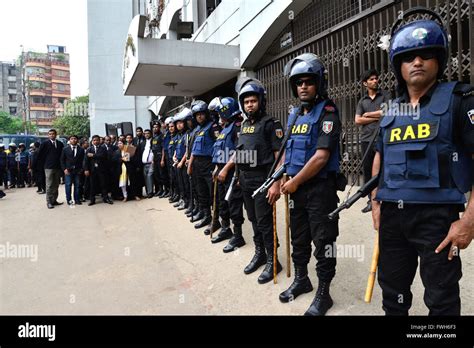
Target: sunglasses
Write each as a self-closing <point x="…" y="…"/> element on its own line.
<point x="309" y="82"/>
<point x="423" y="55"/>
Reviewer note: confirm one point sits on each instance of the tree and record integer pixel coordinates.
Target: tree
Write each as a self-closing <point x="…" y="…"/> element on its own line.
<point x="12" y="125"/>
<point x="75" y="118"/>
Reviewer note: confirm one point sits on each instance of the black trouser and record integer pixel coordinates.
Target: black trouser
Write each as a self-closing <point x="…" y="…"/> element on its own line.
<point x="408" y="234"/>
<point x="369" y="160"/>
<point x="23" y="174"/>
<point x="164" y="173"/>
<point x="82" y="186"/>
<point x="172" y="176"/>
<point x="13" y="170"/>
<point x="259" y="211"/>
<point x="233" y="209"/>
<point x="98" y="181"/>
<point x="157" y="174"/>
<point x="312" y="202"/>
<point x="202" y="170"/>
<point x="137" y="182"/>
<point x="3" y="176"/>
<point x="40" y="178"/>
<point x="183" y="182"/>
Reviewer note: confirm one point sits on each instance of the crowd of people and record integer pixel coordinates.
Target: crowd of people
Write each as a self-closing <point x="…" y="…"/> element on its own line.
<point x="211" y="162"/>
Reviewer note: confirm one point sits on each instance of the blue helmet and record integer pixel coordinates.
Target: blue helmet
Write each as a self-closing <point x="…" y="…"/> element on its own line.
<point x="250" y="86"/>
<point x="199" y="106"/>
<point x="307" y="64"/>
<point x="416" y="36"/>
<point x="228" y="108"/>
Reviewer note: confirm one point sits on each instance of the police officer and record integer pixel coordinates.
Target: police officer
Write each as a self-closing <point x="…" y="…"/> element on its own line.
<point x="425" y="163"/>
<point x="312" y="163"/>
<point x="193" y="209"/>
<point x="164" y="160"/>
<point x="23" y="165"/>
<point x="180" y="159"/>
<point x="224" y="147"/>
<point x="157" y="149"/>
<point x="200" y="164"/>
<point x="12" y="164"/>
<point x="3" y="166"/>
<point x="259" y="140"/>
<point x="174" y="196"/>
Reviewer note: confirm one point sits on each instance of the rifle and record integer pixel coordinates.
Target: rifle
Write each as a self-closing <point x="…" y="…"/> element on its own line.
<point x="362" y="192"/>
<point x="275" y="175"/>
<point x="235" y="177"/>
<point x="270" y="181"/>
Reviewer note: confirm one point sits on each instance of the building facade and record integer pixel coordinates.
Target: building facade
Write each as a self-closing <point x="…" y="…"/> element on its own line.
<point x="108" y="22"/>
<point x="46" y="85"/>
<point x="10" y="88"/>
<point x="198" y="49"/>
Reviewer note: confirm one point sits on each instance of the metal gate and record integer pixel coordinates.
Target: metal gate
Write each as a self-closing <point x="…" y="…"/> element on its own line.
<point x="345" y="34"/>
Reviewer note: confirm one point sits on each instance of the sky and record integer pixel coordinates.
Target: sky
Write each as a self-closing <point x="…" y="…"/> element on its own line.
<point x="37" y="23"/>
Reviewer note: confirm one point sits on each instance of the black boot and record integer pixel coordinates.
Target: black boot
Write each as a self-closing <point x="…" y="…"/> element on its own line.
<point x="182" y="206"/>
<point x="300" y="285"/>
<point x="237" y="241"/>
<point x="322" y="301"/>
<point x="267" y="274"/>
<point x="174" y="199"/>
<point x="178" y="203"/>
<point x="198" y="216"/>
<point x="214" y="227"/>
<point x="166" y="193"/>
<point x="189" y="209"/>
<point x="204" y="222"/>
<point x="259" y="259"/>
<point x="224" y="233"/>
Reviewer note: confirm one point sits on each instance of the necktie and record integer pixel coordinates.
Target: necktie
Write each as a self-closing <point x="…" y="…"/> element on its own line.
<point x="74" y="150"/>
<point x="54" y="143"/>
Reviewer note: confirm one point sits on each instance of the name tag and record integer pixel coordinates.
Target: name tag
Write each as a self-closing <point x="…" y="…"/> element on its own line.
<point x="412" y="133"/>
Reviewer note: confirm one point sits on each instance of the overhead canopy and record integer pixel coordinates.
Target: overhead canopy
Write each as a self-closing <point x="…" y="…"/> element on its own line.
<point x="174" y="67"/>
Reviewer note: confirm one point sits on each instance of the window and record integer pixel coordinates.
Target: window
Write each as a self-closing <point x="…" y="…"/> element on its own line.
<point x="60" y="73"/>
<point x="12" y="111"/>
<point x="12" y="84"/>
<point x="12" y="71"/>
<point x="12" y="97"/>
<point x="37" y="85"/>
<point x="61" y="87"/>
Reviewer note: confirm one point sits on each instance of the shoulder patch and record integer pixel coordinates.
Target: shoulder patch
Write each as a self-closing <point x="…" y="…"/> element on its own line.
<point x="328" y="126"/>
<point x="330" y="108"/>
<point x="470" y="114"/>
<point x="279" y="133"/>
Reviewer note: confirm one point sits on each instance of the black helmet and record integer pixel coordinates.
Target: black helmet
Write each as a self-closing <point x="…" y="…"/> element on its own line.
<point x="307" y="64"/>
<point x="250" y="86"/>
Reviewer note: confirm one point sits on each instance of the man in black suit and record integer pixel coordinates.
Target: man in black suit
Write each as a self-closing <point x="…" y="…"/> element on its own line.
<point x="49" y="155"/>
<point x="72" y="159"/>
<point x="95" y="168"/>
<point x="111" y="175"/>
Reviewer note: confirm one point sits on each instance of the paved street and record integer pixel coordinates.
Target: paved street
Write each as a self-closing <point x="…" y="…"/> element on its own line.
<point x="145" y="258"/>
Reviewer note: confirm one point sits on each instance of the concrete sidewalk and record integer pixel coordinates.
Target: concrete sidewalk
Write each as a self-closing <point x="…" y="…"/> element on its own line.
<point x="146" y="258"/>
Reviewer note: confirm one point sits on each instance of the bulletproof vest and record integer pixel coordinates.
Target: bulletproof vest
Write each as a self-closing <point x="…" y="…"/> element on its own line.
<point x="172" y="145"/>
<point x="253" y="138"/>
<point x="157" y="145"/>
<point x="421" y="163"/>
<point x="166" y="140"/>
<point x="3" y="159"/>
<point x="180" y="145"/>
<point x="224" y="144"/>
<point x="303" y="141"/>
<point x="23" y="158"/>
<point x="11" y="159"/>
<point x="203" y="141"/>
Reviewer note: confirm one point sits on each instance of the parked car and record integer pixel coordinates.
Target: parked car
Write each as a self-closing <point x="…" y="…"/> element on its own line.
<point x="25" y="139"/>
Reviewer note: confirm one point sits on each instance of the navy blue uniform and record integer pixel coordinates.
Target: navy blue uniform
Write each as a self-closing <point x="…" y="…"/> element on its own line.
<point x="426" y="170"/>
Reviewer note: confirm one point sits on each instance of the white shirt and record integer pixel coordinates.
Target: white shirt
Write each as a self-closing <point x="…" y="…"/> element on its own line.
<point x="147" y="156"/>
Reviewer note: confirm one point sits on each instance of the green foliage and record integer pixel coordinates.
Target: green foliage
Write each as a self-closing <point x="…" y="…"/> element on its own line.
<point x="13" y="125"/>
<point x="75" y="119"/>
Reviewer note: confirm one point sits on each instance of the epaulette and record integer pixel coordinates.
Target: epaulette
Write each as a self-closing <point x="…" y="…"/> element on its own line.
<point x="464" y="90"/>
